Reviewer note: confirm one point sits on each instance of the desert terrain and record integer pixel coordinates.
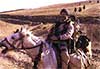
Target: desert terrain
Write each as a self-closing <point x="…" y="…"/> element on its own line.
<point x="89" y="22"/>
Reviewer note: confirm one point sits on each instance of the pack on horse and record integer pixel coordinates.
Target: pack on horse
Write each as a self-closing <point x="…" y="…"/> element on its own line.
<point x="84" y="43"/>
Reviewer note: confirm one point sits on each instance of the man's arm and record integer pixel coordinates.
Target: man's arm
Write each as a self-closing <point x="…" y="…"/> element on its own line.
<point x="68" y="33"/>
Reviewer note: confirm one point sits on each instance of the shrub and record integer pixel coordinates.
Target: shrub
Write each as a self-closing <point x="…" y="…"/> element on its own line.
<point x="97" y="1"/>
<point x="83" y="6"/>
<point x="75" y="9"/>
<point x="80" y="9"/>
<point x="90" y="1"/>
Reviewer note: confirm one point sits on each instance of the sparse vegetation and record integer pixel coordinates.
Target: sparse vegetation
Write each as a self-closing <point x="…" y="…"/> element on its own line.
<point x="75" y="9"/>
<point x="90" y="1"/>
<point x="80" y="9"/>
<point x="97" y="1"/>
<point x="83" y="6"/>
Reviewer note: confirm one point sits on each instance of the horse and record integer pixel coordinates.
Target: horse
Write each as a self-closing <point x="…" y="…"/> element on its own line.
<point x="78" y="60"/>
<point x="78" y="57"/>
<point x="42" y="54"/>
<point x="84" y="43"/>
<point x="14" y="41"/>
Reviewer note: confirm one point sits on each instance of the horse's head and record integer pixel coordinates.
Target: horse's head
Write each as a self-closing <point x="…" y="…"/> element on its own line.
<point x="22" y="37"/>
<point x="29" y="37"/>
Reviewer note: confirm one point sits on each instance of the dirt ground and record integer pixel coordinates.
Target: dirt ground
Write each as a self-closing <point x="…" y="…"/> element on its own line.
<point x="90" y="24"/>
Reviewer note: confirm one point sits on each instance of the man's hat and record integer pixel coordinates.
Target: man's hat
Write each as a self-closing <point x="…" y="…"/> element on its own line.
<point x="64" y="10"/>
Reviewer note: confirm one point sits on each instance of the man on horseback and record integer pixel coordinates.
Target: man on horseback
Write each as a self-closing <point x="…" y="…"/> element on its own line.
<point x="60" y="36"/>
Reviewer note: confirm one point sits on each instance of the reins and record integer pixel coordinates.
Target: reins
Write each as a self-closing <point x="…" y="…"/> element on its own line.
<point x="7" y="43"/>
<point x="14" y="47"/>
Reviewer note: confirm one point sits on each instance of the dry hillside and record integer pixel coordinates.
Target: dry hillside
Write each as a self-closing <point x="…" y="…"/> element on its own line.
<point x="89" y="21"/>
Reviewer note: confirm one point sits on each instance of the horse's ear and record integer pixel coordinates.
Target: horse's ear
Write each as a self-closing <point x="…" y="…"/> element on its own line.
<point x="17" y="30"/>
<point x="21" y="29"/>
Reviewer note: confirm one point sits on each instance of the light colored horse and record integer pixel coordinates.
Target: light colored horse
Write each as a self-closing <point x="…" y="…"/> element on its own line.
<point x="38" y="47"/>
<point x="18" y="40"/>
<point x="24" y="39"/>
<point x="78" y="60"/>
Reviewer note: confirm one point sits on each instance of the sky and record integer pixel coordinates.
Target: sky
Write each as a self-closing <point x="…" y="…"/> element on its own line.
<point x="7" y="5"/>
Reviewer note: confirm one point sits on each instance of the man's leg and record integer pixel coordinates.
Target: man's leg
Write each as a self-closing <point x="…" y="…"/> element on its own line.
<point x="58" y="55"/>
<point x="65" y="57"/>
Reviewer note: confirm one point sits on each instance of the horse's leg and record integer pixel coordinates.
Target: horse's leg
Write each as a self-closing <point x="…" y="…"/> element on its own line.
<point x="37" y="58"/>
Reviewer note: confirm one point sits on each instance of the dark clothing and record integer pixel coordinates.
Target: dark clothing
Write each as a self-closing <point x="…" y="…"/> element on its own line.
<point x="57" y="31"/>
<point x="69" y="44"/>
<point x="63" y="32"/>
<point x="57" y="48"/>
<point x="83" y="42"/>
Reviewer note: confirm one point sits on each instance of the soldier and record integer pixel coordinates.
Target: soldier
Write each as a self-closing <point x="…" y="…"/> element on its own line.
<point x="60" y="36"/>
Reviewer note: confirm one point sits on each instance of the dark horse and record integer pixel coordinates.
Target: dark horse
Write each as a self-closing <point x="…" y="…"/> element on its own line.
<point x="84" y="43"/>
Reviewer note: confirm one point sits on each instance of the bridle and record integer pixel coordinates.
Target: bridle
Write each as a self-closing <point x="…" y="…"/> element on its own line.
<point x="21" y="39"/>
<point x="38" y="56"/>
